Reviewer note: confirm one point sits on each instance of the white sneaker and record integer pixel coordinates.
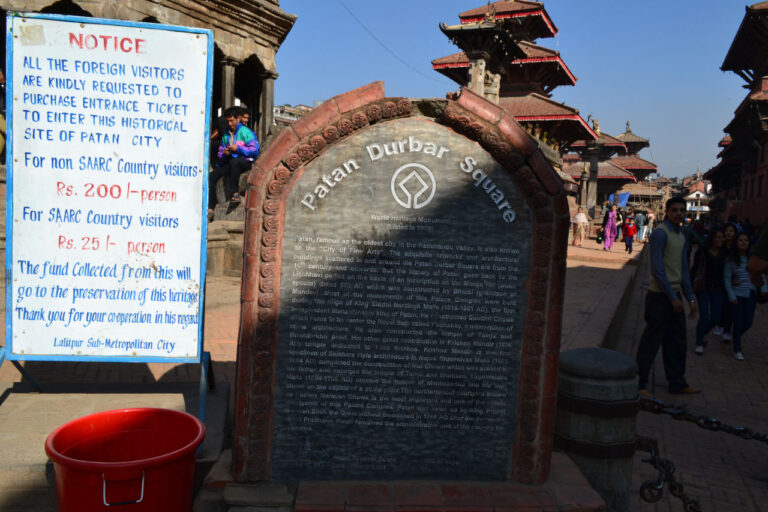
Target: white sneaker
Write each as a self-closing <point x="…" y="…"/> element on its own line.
<point x="726" y="336"/>
<point x="718" y="331"/>
<point x="739" y="356"/>
<point x="699" y="350"/>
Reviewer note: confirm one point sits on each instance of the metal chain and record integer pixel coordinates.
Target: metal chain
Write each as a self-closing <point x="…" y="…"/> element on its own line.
<point x="651" y="491"/>
<point x="679" y="413"/>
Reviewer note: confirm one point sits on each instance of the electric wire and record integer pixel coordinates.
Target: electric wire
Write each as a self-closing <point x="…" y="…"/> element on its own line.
<point x="373" y="36"/>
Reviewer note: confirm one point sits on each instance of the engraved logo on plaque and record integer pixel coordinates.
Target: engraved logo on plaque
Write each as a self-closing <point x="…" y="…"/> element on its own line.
<point x="413" y="186"/>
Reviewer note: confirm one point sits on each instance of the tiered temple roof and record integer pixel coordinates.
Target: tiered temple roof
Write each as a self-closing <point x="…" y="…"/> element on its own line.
<point x="540" y="69"/>
<point x="617" y="167"/>
<point x="621" y="151"/>
<point x="633" y="142"/>
<point x="531" y="18"/>
<point x="630" y="161"/>
<point x="573" y="165"/>
<point x="542" y="114"/>
<point x="640" y="167"/>
<point x="748" y="54"/>
<point x="500" y="59"/>
<point x="488" y="39"/>
<point x="610" y="142"/>
<point x="520" y="73"/>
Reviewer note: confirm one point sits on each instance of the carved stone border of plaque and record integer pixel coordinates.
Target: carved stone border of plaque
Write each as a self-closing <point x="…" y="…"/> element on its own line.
<point x="272" y="178"/>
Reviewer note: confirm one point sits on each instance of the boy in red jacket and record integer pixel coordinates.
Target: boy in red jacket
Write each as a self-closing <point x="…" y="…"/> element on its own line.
<point x="628" y="231"/>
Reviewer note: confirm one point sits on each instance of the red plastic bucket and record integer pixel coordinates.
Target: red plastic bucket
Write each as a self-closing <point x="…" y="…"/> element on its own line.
<point x="127" y="459"/>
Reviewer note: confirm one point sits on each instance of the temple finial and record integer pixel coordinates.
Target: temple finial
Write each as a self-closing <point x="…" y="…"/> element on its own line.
<point x="490" y="14"/>
<point x="595" y="124"/>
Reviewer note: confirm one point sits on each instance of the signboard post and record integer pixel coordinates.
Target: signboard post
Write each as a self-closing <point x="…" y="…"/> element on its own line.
<point x="107" y="184"/>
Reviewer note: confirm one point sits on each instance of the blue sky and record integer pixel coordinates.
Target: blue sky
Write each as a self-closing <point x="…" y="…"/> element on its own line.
<point x="655" y="63"/>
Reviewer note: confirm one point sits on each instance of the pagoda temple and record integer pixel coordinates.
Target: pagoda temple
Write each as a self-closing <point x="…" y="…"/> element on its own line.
<point x="599" y="177"/>
<point x="501" y="60"/>
<point x="618" y="162"/>
<point x="740" y="179"/>
<point x="630" y="160"/>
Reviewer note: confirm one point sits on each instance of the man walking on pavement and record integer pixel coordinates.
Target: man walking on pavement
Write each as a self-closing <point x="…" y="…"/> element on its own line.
<point x="664" y="314"/>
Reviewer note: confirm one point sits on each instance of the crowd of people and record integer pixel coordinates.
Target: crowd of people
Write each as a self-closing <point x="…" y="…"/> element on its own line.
<point x="720" y="270"/>
<point x="628" y="225"/>
<point x="726" y="292"/>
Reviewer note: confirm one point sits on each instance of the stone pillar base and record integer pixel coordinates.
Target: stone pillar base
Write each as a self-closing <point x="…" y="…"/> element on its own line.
<point x="225" y="248"/>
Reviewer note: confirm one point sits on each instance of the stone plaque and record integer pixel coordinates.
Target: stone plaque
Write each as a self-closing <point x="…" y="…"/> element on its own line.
<point x="401" y="310"/>
<point x="403" y="276"/>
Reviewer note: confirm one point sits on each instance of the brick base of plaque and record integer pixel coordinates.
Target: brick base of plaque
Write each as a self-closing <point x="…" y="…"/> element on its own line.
<point x="566" y="490"/>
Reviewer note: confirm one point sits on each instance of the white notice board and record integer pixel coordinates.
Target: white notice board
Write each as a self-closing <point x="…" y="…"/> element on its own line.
<point x="107" y="165"/>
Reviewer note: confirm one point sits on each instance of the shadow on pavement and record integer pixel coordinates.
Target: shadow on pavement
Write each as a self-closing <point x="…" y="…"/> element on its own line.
<point x="30" y="487"/>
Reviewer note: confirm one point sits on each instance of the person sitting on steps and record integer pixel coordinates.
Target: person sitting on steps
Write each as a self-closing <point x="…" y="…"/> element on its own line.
<point x="245" y="116"/>
<point x="239" y="147"/>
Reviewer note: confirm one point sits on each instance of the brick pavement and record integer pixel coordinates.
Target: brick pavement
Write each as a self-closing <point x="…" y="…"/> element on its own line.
<point x="595" y="283"/>
<point x="723" y="472"/>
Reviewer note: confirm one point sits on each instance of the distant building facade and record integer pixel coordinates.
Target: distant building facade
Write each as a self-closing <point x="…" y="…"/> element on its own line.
<point x="286" y="114"/>
<point x="697" y="196"/>
<point x="740" y="179"/>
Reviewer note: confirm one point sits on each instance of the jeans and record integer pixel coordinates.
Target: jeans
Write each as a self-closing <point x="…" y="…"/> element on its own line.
<point x="743" y="314"/>
<point x="666" y="329"/>
<point x="640" y="232"/>
<point x="710" y="309"/>
<point x="628" y="242"/>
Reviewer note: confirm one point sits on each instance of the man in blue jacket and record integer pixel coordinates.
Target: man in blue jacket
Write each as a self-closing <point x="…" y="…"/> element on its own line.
<point x="239" y="147"/>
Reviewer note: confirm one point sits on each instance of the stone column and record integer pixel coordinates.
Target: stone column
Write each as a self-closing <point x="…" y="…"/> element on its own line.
<point x="583" y="188"/>
<point x="596" y="419"/>
<point x="492" y="86"/>
<point x="477" y="76"/>
<point x="228" y="65"/>
<point x="266" y="106"/>
<point x="592" y="186"/>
